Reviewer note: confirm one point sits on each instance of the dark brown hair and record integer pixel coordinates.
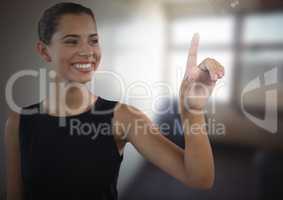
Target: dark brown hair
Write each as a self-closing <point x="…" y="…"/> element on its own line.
<point x="49" y="20"/>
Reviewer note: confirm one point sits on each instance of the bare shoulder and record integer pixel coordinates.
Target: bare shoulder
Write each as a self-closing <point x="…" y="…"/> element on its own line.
<point x="12" y="126"/>
<point x="11" y="136"/>
<point x="126" y="117"/>
<point x="126" y="113"/>
<point x="13" y="117"/>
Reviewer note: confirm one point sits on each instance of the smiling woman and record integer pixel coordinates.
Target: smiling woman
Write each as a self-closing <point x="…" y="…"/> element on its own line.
<point x="47" y="159"/>
<point x="73" y="49"/>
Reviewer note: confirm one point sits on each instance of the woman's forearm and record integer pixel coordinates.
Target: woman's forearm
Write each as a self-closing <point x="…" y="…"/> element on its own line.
<point x="198" y="157"/>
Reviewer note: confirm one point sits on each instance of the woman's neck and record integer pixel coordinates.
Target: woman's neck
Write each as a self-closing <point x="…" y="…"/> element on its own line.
<point x="68" y="98"/>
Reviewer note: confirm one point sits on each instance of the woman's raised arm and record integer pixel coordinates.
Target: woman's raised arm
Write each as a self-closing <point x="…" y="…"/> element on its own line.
<point x="194" y="165"/>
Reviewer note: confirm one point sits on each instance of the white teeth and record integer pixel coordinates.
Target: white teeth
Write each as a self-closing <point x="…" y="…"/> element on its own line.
<point x="82" y="66"/>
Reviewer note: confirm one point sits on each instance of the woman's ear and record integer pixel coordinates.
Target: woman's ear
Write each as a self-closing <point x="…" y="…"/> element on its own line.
<point x="42" y="50"/>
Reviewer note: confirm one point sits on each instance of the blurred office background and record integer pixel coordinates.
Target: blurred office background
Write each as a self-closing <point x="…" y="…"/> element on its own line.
<point x="145" y="43"/>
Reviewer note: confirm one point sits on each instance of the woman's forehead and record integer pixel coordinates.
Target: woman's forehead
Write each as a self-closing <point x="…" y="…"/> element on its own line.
<point x="77" y="24"/>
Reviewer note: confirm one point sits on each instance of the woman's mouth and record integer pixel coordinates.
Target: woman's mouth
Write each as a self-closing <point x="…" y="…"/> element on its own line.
<point x="83" y="67"/>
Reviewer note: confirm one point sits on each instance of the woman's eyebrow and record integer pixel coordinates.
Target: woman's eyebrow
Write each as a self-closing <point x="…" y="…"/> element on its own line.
<point x="70" y="35"/>
<point x="93" y="35"/>
<point x="77" y="36"/>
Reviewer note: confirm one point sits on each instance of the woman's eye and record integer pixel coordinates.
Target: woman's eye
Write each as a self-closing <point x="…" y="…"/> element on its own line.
<point x="94" y="41"/>
<point x="71" y="42"/>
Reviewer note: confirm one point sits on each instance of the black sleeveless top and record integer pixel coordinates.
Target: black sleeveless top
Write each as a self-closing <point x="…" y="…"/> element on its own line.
<point x="73" y="157"/>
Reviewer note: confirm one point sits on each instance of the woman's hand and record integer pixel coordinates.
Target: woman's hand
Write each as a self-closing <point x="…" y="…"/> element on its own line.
<point x="199" y="80"/>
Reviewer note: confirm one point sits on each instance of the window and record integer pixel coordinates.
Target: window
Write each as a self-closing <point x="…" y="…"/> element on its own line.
<point x="256" y="44"/>
<point x="262" y="50"/>
<point x="216" y="41"/>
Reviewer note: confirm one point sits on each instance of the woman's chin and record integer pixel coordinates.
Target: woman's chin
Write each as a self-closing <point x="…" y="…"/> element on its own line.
<point x="81" y="79"/>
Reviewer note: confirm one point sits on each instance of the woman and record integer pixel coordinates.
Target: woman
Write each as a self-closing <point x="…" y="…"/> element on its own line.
<point x="48" y="160"/>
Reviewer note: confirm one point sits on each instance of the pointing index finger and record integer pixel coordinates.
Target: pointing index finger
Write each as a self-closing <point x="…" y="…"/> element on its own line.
<point x="192" y="57"/>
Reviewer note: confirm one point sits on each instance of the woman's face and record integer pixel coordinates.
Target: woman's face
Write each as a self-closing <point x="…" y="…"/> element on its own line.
<point x="74" y="49"/>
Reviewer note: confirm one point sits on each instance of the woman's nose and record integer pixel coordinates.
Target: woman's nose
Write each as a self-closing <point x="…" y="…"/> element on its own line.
<point x="86" y="54"/>
<point x="86" y="50"/>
